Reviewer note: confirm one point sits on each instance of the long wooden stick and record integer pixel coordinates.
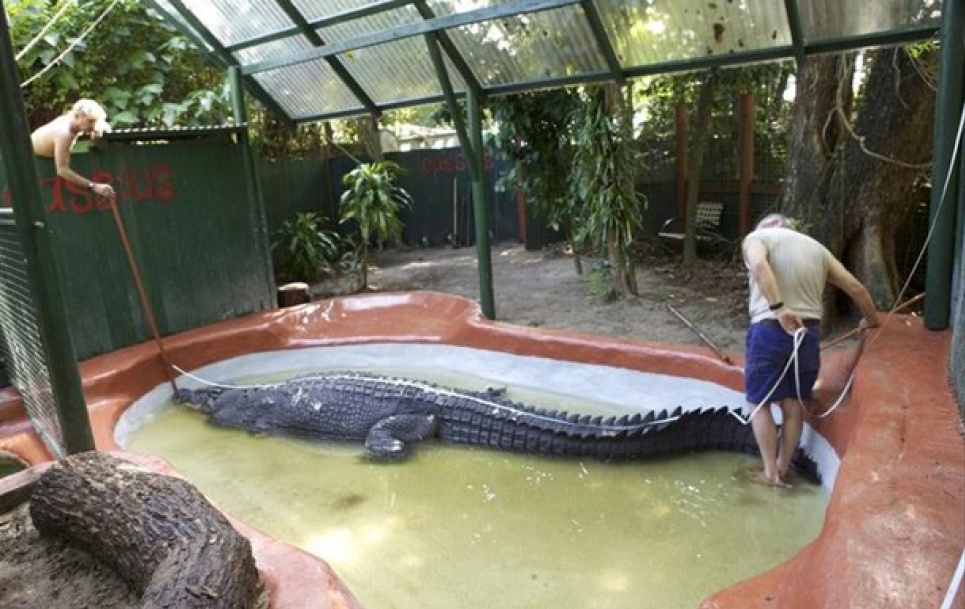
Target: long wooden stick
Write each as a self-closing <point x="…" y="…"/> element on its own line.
<point x="706" y="340"/>
<point x="145" y="302"/>
<point x="850" y="333"/>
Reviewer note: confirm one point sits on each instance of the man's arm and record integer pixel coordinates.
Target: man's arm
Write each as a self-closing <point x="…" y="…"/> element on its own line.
<point x="842" y="278"/>
<point x="63" y="142"/>
<point x="755" y="255"/>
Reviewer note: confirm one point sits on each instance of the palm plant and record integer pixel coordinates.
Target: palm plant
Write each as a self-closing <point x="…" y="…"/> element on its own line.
<point x="373" y="202"/>
<point x="303" y="250"/>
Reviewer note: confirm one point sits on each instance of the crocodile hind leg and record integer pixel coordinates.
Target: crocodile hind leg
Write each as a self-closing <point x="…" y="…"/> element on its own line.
<point x="390" y="437"/>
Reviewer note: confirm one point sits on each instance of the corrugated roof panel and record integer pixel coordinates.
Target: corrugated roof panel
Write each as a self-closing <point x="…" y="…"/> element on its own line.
<point x="361" y="26"/>
<point x="832" y="19"/>
<point x="231" y="21"/>
<point x="273" y="50"/>
<point x="398" y="71"/>
<point x="182" y="23"/>
<point x="659" y="31"/>
<point x="450" y="7"/>
<point x="308" y="90"/>
<point x="530" y="47"/>
<point x="318" y="9"/>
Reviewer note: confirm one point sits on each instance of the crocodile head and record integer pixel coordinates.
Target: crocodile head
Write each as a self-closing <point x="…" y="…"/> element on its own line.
<point x="199" y="399"/>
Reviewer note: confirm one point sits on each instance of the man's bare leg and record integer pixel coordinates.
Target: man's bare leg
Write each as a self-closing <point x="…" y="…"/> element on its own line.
<point x="791" y="428"/>
<point x="765" y="432"/>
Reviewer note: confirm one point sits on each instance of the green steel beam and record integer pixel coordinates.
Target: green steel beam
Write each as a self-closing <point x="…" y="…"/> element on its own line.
<point x="449" y="95"/>
<point x="36" y="239"/>
<point x="212" y="41"/>
<point x="295" y="15"/>
<point x="603" y="39"/>
<point x="470" y="139"/>
<point x="949" y="113"/>
<point x="252" y="182"/>
<point x="480" y="208"/>
<point x="797" y="31"/>
<point x="468" y="76"/>
<point x="342" y="17"/>
<point x="409" y="30"/>
<point x="862" y="41"/>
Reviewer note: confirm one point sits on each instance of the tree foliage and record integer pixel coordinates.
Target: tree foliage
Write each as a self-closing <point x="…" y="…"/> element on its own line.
<point x="138" y="67"/>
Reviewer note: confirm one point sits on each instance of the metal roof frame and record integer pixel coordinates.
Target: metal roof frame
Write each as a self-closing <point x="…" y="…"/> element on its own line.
<point x="197" y="19"/>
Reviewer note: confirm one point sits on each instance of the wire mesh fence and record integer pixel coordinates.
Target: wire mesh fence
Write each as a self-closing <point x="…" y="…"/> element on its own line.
<point x="20" y="339"/>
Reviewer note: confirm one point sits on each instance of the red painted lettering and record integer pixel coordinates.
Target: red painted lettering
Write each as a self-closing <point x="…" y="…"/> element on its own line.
<point x="57" y="194"/>
<point x="140" y="190"/>
<point x="163" y="184"/>
<point x="81" y="200"/>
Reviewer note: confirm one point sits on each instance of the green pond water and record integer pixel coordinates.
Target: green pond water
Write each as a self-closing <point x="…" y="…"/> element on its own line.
<point x="463" y="528"/>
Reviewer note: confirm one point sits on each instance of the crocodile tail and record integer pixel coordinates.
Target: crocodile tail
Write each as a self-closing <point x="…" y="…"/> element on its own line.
<point x="628" y="437"/>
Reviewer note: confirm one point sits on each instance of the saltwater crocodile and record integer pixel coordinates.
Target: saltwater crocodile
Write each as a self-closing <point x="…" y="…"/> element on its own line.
<point x="389" y="415"/>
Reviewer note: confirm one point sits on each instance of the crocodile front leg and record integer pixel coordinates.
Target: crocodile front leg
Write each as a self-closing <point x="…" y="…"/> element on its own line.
<point x="387" y="439"/>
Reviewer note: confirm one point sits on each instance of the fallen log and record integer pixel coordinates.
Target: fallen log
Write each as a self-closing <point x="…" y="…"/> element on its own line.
<point x="157" y="532"/>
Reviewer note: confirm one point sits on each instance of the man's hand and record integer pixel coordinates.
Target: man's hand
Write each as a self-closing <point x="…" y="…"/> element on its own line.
<point x="789" y="320"/>
<point x="103" y="190"/>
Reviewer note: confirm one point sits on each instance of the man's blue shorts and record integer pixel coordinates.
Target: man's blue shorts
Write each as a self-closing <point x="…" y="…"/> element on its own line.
<point x="768" y="350"/>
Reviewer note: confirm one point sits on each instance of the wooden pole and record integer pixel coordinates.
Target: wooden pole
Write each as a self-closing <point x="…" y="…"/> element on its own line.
<point x="700" y="334"/>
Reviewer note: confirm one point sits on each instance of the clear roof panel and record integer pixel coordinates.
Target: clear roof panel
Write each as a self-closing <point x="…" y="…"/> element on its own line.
<point x="530" y="47"/>
<point x="314" y="10"/>
<point x="272" y="50"/>
<point x="373" y="53"/>
<point x="340" y="32"/>
<point x="232" y="21"/>
<point x="663" y="31"/>
<point x="307" y="90"/>
<point x="831" y="19"/>
<point x="398" y="71"/>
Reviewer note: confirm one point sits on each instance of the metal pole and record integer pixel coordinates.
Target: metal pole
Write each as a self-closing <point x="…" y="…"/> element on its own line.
<point x="944" y="193"/>
<point x="480" y="201"/>
<point x="252" y="181"/>
<point x="36" y="242"/>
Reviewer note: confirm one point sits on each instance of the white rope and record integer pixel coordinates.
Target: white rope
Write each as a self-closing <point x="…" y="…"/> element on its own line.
<point x="955" y="583"/>
<point x="36" y="39"/>
<point x="799" y="335"/>
<point x="71" y="47"/>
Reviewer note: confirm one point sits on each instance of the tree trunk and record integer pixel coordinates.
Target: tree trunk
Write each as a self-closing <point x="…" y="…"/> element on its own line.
<point x="369" y="126"/>
<point x="882" y="165"/>
<point x="695" y="161"/>
<point x="837" y="184"/>
<point x="824" y="95"/>
<point x="159" y="533"/>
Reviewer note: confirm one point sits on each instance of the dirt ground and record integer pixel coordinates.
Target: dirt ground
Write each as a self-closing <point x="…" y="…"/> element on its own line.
<point x="542" y="289"/>
<point x="538" y="288"/>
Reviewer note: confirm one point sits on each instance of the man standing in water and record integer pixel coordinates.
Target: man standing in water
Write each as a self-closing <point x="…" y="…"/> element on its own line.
<point x="788" y="271"/>
<point x="56" y="139"/>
